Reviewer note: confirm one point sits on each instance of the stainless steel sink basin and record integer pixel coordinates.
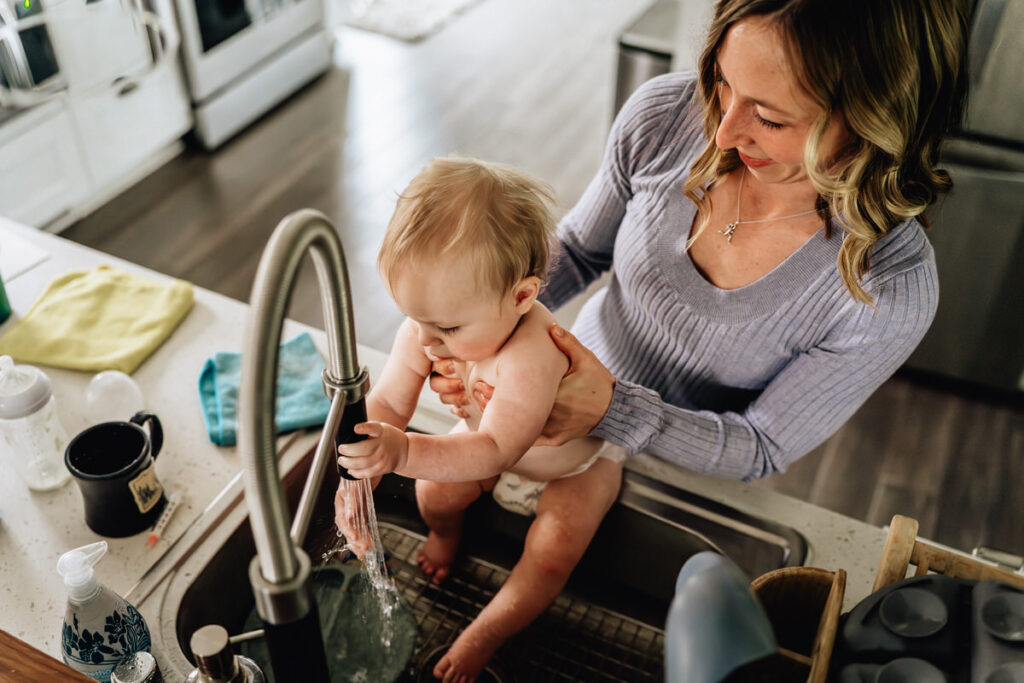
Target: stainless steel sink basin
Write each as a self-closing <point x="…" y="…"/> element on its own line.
<point x="606" y="626"/>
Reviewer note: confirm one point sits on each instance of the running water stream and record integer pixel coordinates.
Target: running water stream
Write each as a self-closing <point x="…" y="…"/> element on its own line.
<point x="369" y="631"/>
<point x="362" y="537"/>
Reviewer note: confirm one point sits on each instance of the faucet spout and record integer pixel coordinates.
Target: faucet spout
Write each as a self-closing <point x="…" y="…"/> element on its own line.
<point x="280" y="572"/>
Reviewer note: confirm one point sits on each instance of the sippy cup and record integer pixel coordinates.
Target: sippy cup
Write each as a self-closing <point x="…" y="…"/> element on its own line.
<point x="32" y="439"/>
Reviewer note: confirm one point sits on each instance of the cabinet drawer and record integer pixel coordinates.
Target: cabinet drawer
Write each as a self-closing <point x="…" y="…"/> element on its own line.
<point x="120" y="128"/>
<point x="41" y="170"/>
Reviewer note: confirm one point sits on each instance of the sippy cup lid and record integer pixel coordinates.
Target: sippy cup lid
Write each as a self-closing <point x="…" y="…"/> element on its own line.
<point x="23" y="389"/>
<point x="76" y="568"/>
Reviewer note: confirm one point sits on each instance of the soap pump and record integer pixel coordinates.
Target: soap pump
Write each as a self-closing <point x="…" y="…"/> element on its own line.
<point x="217" y="663"/>
<point x="100" y="627"/>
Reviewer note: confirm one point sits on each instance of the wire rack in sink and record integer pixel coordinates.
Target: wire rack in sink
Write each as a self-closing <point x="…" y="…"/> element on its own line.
<point x="572" y="641"/>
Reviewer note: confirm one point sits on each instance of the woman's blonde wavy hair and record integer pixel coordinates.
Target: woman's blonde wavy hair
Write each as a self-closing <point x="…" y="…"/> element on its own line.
<point x="895" y="70"/>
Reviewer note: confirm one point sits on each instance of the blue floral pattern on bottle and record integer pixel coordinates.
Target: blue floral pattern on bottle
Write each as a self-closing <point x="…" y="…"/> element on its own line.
<point x="124" y="632"/>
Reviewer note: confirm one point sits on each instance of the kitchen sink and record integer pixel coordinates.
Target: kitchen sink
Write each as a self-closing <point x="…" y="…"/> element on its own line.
<point x="607" y="625"/>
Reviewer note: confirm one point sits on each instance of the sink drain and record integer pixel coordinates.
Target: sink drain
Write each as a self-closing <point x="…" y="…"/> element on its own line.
<point x="572" y="641"/>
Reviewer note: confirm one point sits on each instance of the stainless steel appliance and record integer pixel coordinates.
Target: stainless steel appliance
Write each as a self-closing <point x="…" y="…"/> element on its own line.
<point x="29" y="61"/>
<point x="978" y="229"/>
<point x="242" y="57"/>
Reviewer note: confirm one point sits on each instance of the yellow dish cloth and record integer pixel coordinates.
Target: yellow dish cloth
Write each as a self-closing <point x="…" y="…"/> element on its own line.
<point x="102" y="319"/>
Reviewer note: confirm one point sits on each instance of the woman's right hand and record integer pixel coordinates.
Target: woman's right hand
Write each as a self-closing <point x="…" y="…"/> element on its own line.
<point x="583" y="396"/>
<point x="452" y="392"/>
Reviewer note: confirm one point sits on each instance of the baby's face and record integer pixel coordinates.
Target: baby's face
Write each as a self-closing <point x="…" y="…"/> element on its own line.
<point x="457" y="318"/>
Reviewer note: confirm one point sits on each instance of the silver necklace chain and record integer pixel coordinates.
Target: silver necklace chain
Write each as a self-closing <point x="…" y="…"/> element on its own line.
<point x="730" y="228"/>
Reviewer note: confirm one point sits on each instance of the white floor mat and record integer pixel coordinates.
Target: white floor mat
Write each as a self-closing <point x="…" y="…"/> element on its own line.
<point x="409" y="20"/>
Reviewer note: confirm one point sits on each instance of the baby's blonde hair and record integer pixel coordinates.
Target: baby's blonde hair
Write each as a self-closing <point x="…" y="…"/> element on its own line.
<point x="498" y="217"/>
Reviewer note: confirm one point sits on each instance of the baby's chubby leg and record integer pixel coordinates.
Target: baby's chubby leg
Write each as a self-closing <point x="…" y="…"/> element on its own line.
<point x="442" y="505"/>
<point x="568" y="514"/>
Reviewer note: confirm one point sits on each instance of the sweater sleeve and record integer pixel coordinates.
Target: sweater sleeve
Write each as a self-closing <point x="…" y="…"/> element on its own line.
<point x="801" y="406"/>
<point x="586" y="235"/>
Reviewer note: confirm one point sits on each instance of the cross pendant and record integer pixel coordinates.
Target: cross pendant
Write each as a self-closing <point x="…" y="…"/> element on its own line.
<point x="729" y="230"/>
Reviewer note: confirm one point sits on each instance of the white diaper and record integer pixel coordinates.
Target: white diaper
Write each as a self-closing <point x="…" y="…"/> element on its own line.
<point x="518" y="494"/>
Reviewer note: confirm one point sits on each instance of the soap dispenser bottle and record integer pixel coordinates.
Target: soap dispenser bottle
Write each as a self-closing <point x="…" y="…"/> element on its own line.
<point x="100" y="627"/>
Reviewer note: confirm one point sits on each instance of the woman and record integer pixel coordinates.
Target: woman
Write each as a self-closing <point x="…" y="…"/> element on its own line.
<point x="763" y="218"/>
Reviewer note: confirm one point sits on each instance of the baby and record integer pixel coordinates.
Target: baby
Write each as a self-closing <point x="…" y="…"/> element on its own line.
<point x="464" y="258"/>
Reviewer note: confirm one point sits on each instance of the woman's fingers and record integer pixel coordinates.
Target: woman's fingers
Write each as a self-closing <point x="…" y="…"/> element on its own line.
<point x="482" y="393"/>
<point x="458" y="412"/>
<point x="450" y="390"/>
<point x="570" y="346"/>
<point x="583" y="395"/>
<point x="443" y="367"/>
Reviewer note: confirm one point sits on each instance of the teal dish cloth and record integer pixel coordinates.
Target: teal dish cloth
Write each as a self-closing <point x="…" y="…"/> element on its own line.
<point x="300" y="391"/>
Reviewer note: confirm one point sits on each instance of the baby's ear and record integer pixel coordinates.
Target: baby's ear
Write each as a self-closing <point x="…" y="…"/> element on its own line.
<point x="525" y="293"/>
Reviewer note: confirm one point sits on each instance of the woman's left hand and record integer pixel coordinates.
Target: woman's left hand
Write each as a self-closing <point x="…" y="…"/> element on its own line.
<point x="449" y="387"/>
<point x="583" y="396"/>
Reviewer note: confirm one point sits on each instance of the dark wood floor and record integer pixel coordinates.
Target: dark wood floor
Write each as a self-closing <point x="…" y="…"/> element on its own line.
<point x="526" y="82"/>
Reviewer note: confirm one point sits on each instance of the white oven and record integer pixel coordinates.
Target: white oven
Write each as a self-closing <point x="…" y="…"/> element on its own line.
<point x="242" y="57"/>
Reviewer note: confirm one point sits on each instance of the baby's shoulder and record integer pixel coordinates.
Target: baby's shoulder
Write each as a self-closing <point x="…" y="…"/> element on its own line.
<point x="534" y="325"/>
<point x="531" y="342"/>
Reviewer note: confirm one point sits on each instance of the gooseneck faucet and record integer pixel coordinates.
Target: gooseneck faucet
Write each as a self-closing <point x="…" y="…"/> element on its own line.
<point x="280" y="573"/>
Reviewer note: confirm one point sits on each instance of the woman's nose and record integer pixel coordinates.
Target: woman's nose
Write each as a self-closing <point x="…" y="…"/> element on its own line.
<point x="732" y="131"/>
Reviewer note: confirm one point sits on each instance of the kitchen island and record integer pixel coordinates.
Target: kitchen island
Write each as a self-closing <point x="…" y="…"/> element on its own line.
<point x="35" y="528"/>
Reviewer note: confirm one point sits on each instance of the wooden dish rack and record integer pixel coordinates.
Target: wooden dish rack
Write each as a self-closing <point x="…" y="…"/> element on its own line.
<point x="803" y="604"/>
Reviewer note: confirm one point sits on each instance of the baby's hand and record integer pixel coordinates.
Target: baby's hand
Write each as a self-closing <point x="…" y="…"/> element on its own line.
<point x="347" y="507"/>
<point x="385" y="450"/>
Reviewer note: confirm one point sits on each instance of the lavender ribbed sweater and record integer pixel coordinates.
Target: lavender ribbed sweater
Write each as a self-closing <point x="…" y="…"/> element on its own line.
<point x="738" y="383"/>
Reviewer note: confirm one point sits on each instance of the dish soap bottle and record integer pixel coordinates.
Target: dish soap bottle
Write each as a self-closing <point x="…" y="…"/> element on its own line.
<point x="100" y="627"/>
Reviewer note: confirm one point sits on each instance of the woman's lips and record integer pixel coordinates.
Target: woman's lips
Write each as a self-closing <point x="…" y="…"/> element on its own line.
<point x="752" y="162"/>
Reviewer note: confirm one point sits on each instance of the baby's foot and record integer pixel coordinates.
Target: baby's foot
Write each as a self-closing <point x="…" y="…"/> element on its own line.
<point x="435" y="559"/>
<point x="468" y="655"/>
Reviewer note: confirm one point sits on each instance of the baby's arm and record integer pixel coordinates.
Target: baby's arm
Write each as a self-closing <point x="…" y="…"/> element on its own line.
<point x="392" y="399"/>
<point x="528" y="369"/>
<point x="389" y="407"/>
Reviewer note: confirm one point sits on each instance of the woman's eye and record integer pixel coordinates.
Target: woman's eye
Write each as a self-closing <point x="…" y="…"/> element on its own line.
<point x="447" y="330"/>
<point x="766" y="123"/>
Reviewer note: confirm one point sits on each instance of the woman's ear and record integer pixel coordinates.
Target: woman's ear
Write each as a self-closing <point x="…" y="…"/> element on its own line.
<point x="525" y="293"/>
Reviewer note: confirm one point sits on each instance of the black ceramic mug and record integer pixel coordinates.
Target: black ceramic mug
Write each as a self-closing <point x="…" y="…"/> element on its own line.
<point x="113" y="464"/>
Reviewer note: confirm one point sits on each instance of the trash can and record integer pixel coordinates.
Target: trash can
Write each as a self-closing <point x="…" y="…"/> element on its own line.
<point x="645" y="48"/>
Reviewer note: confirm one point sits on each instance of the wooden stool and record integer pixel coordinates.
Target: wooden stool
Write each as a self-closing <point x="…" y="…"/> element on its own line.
<point x="903" y="548"/>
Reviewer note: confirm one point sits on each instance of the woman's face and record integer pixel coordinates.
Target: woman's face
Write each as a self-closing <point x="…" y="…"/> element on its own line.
<point x="766" y="116"/>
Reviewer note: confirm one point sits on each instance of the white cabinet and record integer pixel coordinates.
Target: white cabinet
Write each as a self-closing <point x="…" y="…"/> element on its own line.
<point x="42" y="176"/>
<point x="121" y="129"/>
<point x="93" y="139"/>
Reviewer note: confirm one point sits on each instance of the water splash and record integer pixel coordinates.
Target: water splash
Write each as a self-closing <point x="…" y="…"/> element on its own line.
<point x="361" y="536"/>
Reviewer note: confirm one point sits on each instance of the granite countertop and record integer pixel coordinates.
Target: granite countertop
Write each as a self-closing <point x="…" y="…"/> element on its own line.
<point x="35" y="528"/>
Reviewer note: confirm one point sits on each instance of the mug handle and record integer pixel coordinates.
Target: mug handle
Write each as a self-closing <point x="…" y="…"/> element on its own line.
<point x="156" y="432"/>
